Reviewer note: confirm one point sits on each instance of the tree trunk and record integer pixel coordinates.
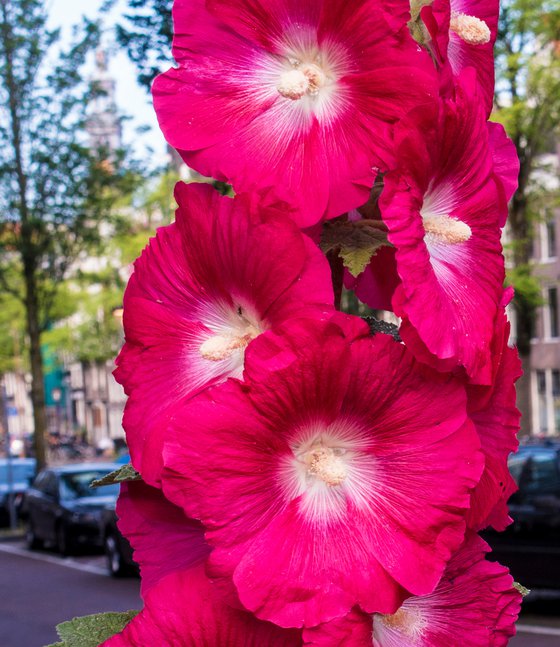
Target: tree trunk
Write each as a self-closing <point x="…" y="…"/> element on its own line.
<point x="36" y="362"/>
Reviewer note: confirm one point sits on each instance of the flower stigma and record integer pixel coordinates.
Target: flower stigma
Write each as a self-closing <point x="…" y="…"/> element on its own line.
<point x="220" y="347"/>
<point x="447" y="230"/>
<point x="303" y="79"/>
<point x="471" y="29"/>
<point x="326" y="464"/>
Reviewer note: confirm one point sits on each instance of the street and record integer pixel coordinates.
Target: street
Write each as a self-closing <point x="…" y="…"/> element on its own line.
<point x="41" y="589"/>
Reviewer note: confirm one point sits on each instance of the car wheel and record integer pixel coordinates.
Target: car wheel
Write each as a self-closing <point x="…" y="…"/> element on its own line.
<point x="63" y="544"/>
<point x="31" y="539"/>
<point x="115" y="562"/>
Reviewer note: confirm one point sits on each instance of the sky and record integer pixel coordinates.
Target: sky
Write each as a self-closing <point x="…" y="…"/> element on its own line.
<point x="131" y="99"/>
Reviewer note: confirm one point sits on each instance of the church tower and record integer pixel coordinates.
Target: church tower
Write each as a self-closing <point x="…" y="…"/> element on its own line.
<point x="103" y="125"/>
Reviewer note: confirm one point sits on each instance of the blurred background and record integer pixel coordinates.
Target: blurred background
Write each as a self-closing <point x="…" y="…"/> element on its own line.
<point x="85" y="180"/>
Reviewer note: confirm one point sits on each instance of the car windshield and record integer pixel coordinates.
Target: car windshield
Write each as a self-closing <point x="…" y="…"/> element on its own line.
<point x="516" y="463"/>
<point x="77" y="485"/>
<point x="20" y="473"/>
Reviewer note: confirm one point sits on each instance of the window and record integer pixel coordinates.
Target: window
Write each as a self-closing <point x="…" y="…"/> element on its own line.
<point x="556" y="398"/>
<point x="78" y="485"/>
<point x="552" y="310"/>
<point x="541" y="391"/>
<point x="540" y="473"/>
<point x="551" y="239"/>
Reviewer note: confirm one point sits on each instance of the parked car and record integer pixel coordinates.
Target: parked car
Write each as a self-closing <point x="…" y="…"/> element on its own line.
<point x="64" y="511"/>
<point x="530" y="546"/>
<point x="117" y="548"/>
<point x="22" y="473"/>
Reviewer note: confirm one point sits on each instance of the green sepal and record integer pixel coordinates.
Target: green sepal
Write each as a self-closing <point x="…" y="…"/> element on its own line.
<point x="524" y="591"/>
<point x="91" y="631"/>
<point x="356" y="242"/>
<point x="124" y="473"/>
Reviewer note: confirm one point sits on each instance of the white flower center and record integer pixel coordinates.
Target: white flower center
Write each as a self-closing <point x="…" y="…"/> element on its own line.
<point x="471" y="29"/>
<point x="220" y="347"/>
<point x="445" y="229"/>
<point x="233" y="330"/>
<point x="326" y="464"/>
<point x="405" y="622"/>
<point x="303" y="79"/>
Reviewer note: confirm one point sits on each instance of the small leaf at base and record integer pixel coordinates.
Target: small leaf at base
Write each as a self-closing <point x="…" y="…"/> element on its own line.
<point x="91" y="631"/>
<point x="124" y="473"/>
<point x="356" y="241"/>
<point x="524" y="591"/>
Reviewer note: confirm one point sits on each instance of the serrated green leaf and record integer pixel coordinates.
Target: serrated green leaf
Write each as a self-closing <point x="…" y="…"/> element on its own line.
<point x="356" y="242"/>
<point x="524" y="591"/>
<point x="124" y="473"/>
<point x="91" y="631"/>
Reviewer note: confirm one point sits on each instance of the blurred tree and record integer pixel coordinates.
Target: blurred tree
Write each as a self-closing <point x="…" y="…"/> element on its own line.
<point x="527" y="103"/>
<point x="93" y="332"/>
<point x="146" y="36"/>
<point x="54" y="190"/>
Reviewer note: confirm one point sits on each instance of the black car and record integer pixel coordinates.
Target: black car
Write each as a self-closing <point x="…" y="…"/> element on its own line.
<point x="15" y="476"/>
<point x="530" y="546"/>
<point x="63" y="510"/>
<point x="117" y="548"/>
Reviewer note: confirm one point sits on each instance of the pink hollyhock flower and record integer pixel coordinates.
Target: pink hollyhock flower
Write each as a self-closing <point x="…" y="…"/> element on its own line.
<point x="201" y="291"/>
<point x="506" y="162"/>
<point x="336" y="479"/>
<point x="463" y="35"/>
<point x="443" y="207"/>
<point x="493" y="411"/>
<point x="293" y="95"/>
<point x="181" y="606"/>
<point x="474" y="605"/>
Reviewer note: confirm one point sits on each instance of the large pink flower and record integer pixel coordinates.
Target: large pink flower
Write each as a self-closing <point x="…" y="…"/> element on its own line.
<point x="294" y="95"/>
<point x="474" y="605"/>
<point x="201" y="291"/>
<point x="443" y="207"/>
<point x="181" y="606"/>
<point x="493" y="411"/>
<point x="336" y="479"/>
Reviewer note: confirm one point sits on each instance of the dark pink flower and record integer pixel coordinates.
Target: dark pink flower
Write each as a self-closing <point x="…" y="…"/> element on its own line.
<point x="336" y="479"/>
<point x="443" y="207"/>
<point x="493" y="411"/>
<point x="299" y="96"/>
<point x="182" y="607"/>
<point x="201" y="291"/>
<point x="474" y="605"/>
<point x="378" y="282"/>
<point x="506" y="162"/>
<point x="464" y="33"/>
<point x="164" y="540"/>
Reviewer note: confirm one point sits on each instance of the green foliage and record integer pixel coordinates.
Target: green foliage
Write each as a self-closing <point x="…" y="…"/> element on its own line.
<point x="146" y="36"/>
<point x="12" y="333"/>
<point x="527" y="103"/>
<point x="54" y="190"/>
<point x="91" y="631"/>
<point x="528" y="292"/>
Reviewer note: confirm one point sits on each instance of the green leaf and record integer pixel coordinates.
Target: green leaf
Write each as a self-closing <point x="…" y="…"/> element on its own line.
<point x="91" y="631"/>
<point x="524" y="591"/>
<point x="357" y="242"/>
<point x="124" y="473"/>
